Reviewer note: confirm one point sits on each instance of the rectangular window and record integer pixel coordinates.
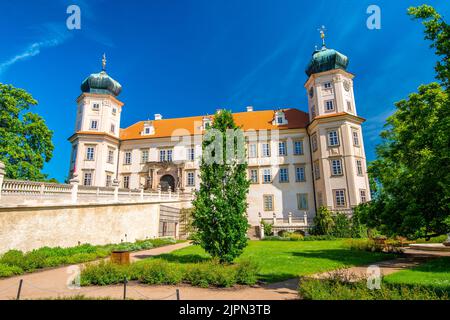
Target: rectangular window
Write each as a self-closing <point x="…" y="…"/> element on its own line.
<point x="329" y="105"/>
<point x="126" y="182"/>
<point x="191" y="154"/>
<point x="333" y="138"/>
<point x="362" y="194"/>
<point x="268" y="202"/>
<point x="313" y="112"/>
<point x="267" y="175"/>
<point x="162" y="155"/>
<point x="319" y="199"/>
<point x="94" y="125"/>
<point x="113" y="128"/>
<point x="165" y="155"/>
<point x="349" y="106"/>
<point x="96" y="106"/>
<point x="336" y="167"/>
<point x="317" y="170"/>
<point x="87" y="179"/>
<point x="327" y="85"/>
<point x="300" y="174"/>
<point x="266" y="150"/>
<point x="302" y="201"/>
<point x="284" y="175"/>
<point x="282" y="148"/>
<point x="298" y="147"/>
<point x="190" y="179"/>
<point x="108" y="180"/>
<point x="127" y="158"/>
<point x="280" y="120"/>
<point x="314" y="142"/>
<point x="144" y="156"/>
<point x="253" y="175"/>
<point x="90" y="152"/>
<point x="339" y="196"/>
<point x="169" y="155"/>
<point x="110" y="156"/>
<point x="355" y="138"/>
<point x="252" y="151"/>
<point x="114" y="110"/>
<point x="359" y="168"/>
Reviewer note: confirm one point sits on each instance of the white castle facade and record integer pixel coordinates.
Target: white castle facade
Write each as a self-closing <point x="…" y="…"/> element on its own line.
<point x="297" y="161"/>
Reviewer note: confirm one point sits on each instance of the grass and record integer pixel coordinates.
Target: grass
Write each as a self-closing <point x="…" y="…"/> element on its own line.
<point x="15" y="262"/>
<point x="281" y="260"/>
<point x="434" y="274"/>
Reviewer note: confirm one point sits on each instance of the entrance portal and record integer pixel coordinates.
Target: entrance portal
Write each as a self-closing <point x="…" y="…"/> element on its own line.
<point x="167" y="181"/>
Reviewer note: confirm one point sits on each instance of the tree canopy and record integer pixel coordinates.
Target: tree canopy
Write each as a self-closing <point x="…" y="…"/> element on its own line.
<point x="25" y="141"/>
<point x="412" y="170"/>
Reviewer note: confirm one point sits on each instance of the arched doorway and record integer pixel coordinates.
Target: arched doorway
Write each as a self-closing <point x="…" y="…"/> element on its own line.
<point x="167" y="181"/>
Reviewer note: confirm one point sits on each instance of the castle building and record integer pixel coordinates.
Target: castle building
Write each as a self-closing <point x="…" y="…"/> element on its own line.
<point x="297" y="161"/>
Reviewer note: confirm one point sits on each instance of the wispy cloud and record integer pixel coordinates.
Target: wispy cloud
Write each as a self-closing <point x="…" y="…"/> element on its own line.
<point x="54" y="36"/>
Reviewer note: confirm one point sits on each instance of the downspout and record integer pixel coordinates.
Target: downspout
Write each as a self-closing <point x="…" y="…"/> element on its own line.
<point x="312" y="169"/>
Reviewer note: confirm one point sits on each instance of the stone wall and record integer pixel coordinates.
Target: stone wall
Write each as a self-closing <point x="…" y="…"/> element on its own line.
<point x="28" y="228"/>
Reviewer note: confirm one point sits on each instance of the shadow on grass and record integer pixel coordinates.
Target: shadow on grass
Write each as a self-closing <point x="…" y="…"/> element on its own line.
<point x="350" y="257"/>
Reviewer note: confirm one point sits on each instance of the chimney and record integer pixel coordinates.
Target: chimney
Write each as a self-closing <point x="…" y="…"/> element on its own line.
<point x="158" y="116"/>
<point x="249" y="108"/>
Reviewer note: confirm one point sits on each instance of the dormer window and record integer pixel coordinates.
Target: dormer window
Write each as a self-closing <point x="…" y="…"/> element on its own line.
<point x="149" y="129"/>
<point x="206" y="123"/>
<point x="280" y="118"/>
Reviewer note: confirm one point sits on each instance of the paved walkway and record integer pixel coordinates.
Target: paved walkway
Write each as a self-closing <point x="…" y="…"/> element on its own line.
<point x="53" y="283"/>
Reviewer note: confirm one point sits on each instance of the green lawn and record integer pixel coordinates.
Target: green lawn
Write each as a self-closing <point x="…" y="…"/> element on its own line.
<point x="434" y="274"/>
<point x="280" y="260"/>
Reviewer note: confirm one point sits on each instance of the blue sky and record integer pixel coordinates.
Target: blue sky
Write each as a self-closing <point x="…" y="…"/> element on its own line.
<point x="190" y="57"/>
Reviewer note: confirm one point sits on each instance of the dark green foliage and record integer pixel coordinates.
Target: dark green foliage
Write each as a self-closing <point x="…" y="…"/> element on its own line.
<point x="338" y="225"/>
<point x="323" y="222"/>
<point x="25" y="141"/>
<point x="412" y="172"/>
<point x="267" y="228"/>
<point x="220" y="204"/>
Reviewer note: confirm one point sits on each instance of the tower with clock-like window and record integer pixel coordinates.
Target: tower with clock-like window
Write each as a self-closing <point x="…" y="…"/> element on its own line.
<point x="336" y="140"/>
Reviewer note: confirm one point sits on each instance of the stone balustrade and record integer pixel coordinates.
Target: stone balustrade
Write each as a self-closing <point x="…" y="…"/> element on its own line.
<point x="27" y="193"/>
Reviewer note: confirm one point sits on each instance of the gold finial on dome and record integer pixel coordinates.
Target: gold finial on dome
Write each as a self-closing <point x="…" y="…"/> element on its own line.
<point x="104" y="62"/>
<point x="322" y="30"/>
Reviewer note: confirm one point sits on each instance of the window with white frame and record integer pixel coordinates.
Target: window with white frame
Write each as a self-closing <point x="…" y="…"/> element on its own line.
<point x="165" y="155"/>
<point x="94" y="125"/>
<point x="268" y="202"/>
<point x="267" y="175"/>
<point x="144" y="156"/>
<point x="283" y="175"/>
<point x="253" y="175"/>
<point x="190" y="179"/>
<point x="339" y="197"/>
<point x="336" y="167"/>
<point x="90" y="153"/>
<point x="96" y="106"/>
<point x="191" y="154"/>
<point x="298" y="147"/>
<point x="300" y="174"/>
<point x="266" y="150"/>
<point x="127" y="158"/>
<point x="282" y="150"/>
<point x="252" y="150"/>
<point x="329" y="105"/>
<point x="359" y="168"/>
<point x="87" y="179"/>
<point x="355" y="138"/>
<point x="110" y="155"/>
<point x="333" y="138"/>
<point x="314" y="142"/>
<point x="108" y="182"/>
<point x="362" y="194"/>
<point x="317" y="170"/>
<point x="126" y="182"/>
<point x="302" y="201"/>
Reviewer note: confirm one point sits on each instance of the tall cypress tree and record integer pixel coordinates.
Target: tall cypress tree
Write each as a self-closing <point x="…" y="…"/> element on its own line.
<point x="220" y="205"/>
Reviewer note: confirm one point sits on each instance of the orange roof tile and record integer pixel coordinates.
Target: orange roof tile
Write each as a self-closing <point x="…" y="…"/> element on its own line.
<point x="253" y="120"/>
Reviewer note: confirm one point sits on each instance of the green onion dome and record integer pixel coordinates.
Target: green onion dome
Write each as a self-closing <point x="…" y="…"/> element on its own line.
<point x="326" y="59"/>
<point x="101" y="83"/>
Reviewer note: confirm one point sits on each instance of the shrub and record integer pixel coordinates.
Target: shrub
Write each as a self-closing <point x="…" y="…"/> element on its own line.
<point x="323" y="222"/>
<point x="390" y="246"/>
<point x="103" y="273"/>
<point x="267" y="228"/>
<point x="341" y="227"/>
<point x="159" y="272"/>
<point x="8" y="271"/>
<point x="319" y="237"/>
<point x="437" y="239"/>
<point x="333" y="289"/>
<point x="247" y="271"/>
